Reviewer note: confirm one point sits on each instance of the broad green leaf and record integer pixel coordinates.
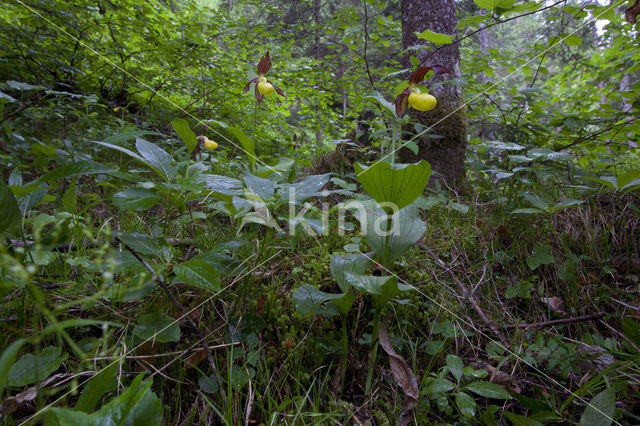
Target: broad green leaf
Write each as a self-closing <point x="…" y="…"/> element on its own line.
<point x="199" y="273"/>
<point x="341" y="265"/>
<point x="23" y="372"/>
<point x="439" y="386"/>
<point x="398" y="184"/>
<point x="130" y="154"/>
<point x="261" y="187"/>
<point x="527" y="210"/>
<point x="10" y="216"/>
<point x="572" y="40"/>
<point x="629" y="179"/>
<point x="7" y="359"/>
<point x="541" y="255"/>
<point x="57" y="416"/>
<point x="519" y="420"/>
<point x="455" y="366"/>
<point x="407" y="228"/>
<point x="77" y="168"/>
<point x="435" y="38"/>
<point x="102" y="382"/>
<point x="125" y="136"/>
<point x="309" y="300"/>
<point x="377" y="97"/>
<point x="222" y="184"/>
<point x="631" y="330"/>
<point x="136" y="406"/>
<point x="248" y="146"/>
<point x="569" y="202"/>
<point x="181" y="127"/>
<point x="209" y="384"/>
<point x="600" y="409"/>
<point x="70" y="198"/>
<point x="284" y="168"/>
<point x="382" y="289"/>
<point x="466" y="404"/>
<point x="135" y="199"/>
<point x="157" y="327"/>
<point x="503" y="146"/>
<point x="486" y="4"/>
<point x="344" y="302"/>
<point x="488" y="390"/>
<point x="157" y="158"/>
<point x="309" y="187"/>
<point x="143" y="244"/>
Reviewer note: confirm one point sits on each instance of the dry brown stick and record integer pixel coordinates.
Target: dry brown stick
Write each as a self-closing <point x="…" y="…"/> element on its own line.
<point x="557" y="322"/>
<point x="471" y="298"/>
<point x="183" y="312"/>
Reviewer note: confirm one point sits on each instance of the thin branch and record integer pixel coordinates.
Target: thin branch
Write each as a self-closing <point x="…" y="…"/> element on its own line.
<point x="557" y="322"/>
<point x="183" y="312"/>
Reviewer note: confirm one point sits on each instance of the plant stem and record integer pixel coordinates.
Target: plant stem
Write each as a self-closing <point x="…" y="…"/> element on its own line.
<point x="374" y="349"/>
<point x="387" y="241"/>
<point x="345" y="349"/>
<point x="394" y="139"/>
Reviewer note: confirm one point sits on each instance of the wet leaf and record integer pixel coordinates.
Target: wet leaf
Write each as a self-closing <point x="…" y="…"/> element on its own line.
<point x="403" y="375"/>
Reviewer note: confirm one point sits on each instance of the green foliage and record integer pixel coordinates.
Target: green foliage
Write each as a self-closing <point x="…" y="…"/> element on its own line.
<point x="118" y="227"/>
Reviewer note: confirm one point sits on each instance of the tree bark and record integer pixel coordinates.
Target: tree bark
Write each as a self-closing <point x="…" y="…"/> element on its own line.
<point x="448" y="119"/>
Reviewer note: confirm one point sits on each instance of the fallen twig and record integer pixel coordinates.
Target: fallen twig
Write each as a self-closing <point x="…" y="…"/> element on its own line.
<point x="471" y="298"/>
<point x="556" y="322"/>
<point x="183" y="312"/>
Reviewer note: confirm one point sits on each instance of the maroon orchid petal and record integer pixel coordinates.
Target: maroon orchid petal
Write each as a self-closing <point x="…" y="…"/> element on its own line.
<point x="402" y="100"/>
<point x="278" y="90"/>
<point x="246" y="88"/>
<point x="418" y="75"/>
<point x="264" y="65"/>
<point x="439" y="69"/>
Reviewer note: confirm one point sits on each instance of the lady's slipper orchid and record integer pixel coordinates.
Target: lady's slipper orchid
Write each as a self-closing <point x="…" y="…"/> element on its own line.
<point x="412" y="96"/>
<point x="208" y="143"/>
<point x="263" y="86"/>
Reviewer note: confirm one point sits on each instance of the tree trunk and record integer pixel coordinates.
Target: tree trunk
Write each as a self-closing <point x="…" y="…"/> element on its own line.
<point x="485" y="39"/>
<point x="448" y="119"/>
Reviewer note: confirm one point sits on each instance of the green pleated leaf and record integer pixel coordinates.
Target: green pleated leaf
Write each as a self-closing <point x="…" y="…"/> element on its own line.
<point x="435" y="38"/>
<point x="248" y="146"/>
<point x="309" y="300"/>
<point x="341" y="265"/>
<point x="397" y="184"/>
<point x="135" y="199"/>
<point x="102" y="382"/>
<point x="406" y="229"/>
<point x="23" y="372"/>
<point x="7" y="359"/>
<point x="600" y="409"/>
<point x="488" y="390"/>
<point x="199" y="273"/>
<point x="10" y="216"/>
<point x="466" y="404"/>
<point x="157" y="158"/>
<point x="182" y="129"/>
<point x="84" y="167"/>
<point x="157" y="327"/>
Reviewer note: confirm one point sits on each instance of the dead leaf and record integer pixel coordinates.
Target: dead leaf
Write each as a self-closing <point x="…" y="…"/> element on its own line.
<point x="402" y="373"/>
<point x="554" y="303"/>
<point x="12" y="403"/>
<point x="631" y="13"/>
<point x="195" y="358"/>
